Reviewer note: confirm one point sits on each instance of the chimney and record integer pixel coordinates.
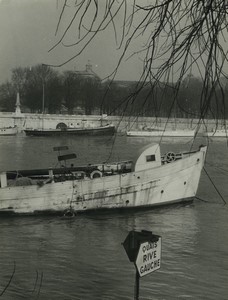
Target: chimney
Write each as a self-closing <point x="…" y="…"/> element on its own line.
<point x="89" y="67"/>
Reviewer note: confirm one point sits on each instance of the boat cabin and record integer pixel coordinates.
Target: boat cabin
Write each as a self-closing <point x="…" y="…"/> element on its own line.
<point x="149" y="157"/>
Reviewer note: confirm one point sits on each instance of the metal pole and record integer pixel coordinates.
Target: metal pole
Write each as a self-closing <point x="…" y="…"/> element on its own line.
<point x="43" y="98"/>
<point x="43" y="105"/>
<point x="137" y="285"/>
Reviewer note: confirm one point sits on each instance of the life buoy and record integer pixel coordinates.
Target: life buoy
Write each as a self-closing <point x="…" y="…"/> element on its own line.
<point x="95" y="174"/>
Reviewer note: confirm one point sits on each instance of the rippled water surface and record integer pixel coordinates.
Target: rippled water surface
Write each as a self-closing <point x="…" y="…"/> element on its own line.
<point x="83" y="257"/>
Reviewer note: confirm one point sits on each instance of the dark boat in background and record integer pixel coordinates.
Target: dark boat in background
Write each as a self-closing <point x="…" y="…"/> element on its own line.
<point x="101" y="130"/>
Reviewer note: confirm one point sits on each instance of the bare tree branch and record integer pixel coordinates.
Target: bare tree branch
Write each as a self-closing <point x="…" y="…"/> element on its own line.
<point x="9" y="282"/>
<point x="172" y="38"/>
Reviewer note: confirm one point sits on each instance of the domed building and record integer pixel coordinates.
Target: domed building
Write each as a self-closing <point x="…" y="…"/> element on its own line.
<point x="88" y="73"/>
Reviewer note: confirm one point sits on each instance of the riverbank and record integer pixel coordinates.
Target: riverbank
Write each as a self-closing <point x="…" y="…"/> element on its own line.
<point x="123" y="124"/>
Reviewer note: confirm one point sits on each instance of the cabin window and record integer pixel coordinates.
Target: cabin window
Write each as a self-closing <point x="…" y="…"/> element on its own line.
<point x="150" y="157"/>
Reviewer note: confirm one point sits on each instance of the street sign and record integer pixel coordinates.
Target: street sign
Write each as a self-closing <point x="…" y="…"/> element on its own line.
<point x="144" y="249"/>
<point x="133" y="241"/>
<point x="149" y="257"/>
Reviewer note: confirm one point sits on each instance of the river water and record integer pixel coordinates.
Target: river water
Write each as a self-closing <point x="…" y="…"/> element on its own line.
<point x="83" y="257"/>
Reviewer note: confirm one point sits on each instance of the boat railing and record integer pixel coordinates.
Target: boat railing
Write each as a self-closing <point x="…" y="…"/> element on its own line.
<point x="171" y="156"/>
<point x="64" y="173"/>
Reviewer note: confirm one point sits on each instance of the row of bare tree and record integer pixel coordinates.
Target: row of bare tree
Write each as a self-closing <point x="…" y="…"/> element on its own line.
<point x="42" y="88"/>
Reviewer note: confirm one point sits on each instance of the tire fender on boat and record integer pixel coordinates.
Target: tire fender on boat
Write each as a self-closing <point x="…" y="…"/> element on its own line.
<point x="95" y="174"/>
<point x="69" y="213"/>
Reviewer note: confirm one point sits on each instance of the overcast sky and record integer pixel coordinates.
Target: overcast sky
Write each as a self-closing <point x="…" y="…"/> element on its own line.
<point x="27" y="31"/>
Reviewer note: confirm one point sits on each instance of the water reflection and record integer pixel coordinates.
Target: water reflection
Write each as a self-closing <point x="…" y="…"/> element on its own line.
<point x="85" y="253"/>
<point x="82" y="258"/>
<point x="23" y="152"/>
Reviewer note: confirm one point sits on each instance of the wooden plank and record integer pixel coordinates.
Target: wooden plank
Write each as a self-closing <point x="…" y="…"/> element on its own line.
<point x="60" y="148"/>
<point x="66" y="157"/>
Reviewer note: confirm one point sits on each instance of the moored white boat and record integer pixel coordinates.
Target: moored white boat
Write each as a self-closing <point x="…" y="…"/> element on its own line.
<point x="217" y="133"/>
<point x="148" y="180"/>
<point x="162" y="133"/>
<point x="8" y="130"/>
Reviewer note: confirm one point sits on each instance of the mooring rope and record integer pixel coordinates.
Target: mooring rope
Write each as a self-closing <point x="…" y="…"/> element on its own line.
<point x="70" y="211"/>
<point x="224" y="201"/>
<point x="201" y="199"/>
<point x="217" y="167"/>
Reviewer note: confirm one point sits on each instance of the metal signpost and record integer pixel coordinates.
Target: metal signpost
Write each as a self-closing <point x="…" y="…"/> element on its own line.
<point x="144" y="249"/>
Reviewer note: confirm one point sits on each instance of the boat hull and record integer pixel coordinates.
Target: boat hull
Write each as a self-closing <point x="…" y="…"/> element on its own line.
<point x="160" y="133"/>
<point x="217" y="133"/>
<point x="166" y="184"/>
<point x="105" y="130"/>
<point x="8" y="131"/>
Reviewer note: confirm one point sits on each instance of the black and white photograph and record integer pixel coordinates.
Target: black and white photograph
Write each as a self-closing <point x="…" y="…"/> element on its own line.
<point x="113" y="149"/>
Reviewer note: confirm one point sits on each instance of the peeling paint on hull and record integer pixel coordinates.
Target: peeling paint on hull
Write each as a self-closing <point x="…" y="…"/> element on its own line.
<point x="161" y="185"/>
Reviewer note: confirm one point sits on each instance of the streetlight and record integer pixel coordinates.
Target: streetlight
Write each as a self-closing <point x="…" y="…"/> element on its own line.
<point x="43" y="96"/>
<point x="43" y="80"/>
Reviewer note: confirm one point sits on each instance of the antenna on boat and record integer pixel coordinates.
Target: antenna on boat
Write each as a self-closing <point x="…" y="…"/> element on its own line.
<point x="64" y="157"/>
<point x="61" y="148"/>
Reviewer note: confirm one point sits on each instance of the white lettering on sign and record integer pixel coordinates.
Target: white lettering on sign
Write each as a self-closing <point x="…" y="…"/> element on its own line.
<point x="149" y="257"/>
